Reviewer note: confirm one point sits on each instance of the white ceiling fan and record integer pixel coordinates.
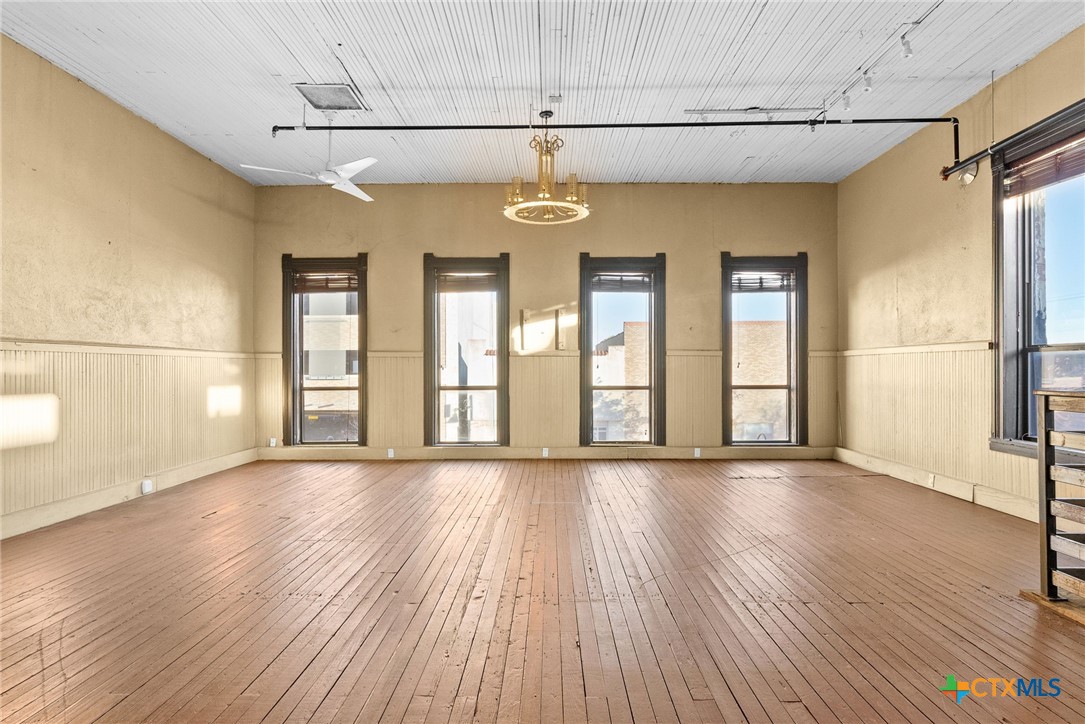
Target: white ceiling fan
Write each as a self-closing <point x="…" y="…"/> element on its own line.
<point x="338" y="177"/>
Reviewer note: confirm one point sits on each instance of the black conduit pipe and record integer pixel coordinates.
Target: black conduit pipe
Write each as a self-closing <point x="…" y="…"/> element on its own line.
<point x="812" y="123"/>
<point x="1076" y="110"/>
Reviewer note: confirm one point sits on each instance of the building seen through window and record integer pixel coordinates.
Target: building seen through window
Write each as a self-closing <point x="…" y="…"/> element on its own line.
<point x="764" y="350"/>
<point x="466" y="303"/>
<point x="323" y="350"/>
<point x="622" y="342"/>
<point x="1042" y="223"/>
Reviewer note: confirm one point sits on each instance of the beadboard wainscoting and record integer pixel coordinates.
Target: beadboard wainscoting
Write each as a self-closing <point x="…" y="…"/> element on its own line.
<point x="544" y="392"/>
<point x="125" y="414"/>
<point x="694" y="398"/>
<point x="924" y="414"/>
<point x="544" y="400"/>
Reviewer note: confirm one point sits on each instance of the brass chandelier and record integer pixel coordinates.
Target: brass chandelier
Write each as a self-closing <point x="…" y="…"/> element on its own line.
<point x="549" y="206"/>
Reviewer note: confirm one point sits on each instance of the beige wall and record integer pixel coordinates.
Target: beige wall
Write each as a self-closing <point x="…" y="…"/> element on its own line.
<point x="690" y="223"/>
<point x="140" y="279"/>
<point x="915" y="270"/>
<point x="127" y="291"/>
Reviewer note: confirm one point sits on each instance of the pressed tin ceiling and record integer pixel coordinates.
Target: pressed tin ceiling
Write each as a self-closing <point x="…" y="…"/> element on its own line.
<point x="218" y="75"/>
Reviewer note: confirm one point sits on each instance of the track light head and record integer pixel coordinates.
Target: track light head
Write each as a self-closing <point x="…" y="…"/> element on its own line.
<point x="868" y="82"/>
<point x="906" y="47"/>
<point x="968" y="174"/>
<point x="847" y="103"/>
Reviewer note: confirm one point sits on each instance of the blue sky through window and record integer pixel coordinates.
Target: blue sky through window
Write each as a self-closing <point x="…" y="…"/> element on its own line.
<point x="611" y="310"/>
<point x="1064" y="230"/>
<point x="759" y="307"/>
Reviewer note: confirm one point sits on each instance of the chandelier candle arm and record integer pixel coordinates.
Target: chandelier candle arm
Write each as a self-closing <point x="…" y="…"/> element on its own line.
<point x="549" y="208"/>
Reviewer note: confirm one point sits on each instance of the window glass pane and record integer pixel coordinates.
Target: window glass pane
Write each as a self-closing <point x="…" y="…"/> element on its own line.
<point x="467" y="338"/>
<point x="621" y="338"/>
<point x="329" y="416"/>
<point x="330" y="339"/>
<point x="467" y="416"/>
<point x="621" y="415"/>
<point x="760" y="416"/>
<point x="759" y="338"/>
<point x="1062" y="370"/>
<point x="1057" y="233"/>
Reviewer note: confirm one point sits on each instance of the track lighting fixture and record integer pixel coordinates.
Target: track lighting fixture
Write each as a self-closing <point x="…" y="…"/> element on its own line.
<point x="969" y="173"/>
<point x="905" y="47"/>
<point x="868" y="82"/>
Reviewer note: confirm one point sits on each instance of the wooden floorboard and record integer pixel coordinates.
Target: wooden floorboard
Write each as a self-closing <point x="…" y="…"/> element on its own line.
<point x="534" y="591"/>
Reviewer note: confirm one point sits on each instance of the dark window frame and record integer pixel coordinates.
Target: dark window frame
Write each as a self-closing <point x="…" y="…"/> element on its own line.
<point x="432" y="266"/>
<point x="798" y="266"/>
<point x="657" y="267"/>
<point x="291" y="361"/>
<point x="1012" y="299"/>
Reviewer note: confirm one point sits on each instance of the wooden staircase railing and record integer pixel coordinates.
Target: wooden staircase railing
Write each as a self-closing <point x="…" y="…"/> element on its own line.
<point x="1053" y="508"/>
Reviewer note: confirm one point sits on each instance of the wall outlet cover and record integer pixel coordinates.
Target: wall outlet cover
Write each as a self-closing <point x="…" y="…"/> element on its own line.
<point x="391" y="452"/>
<point x="546" y="452"/>
<point x="696" y="452"/>
<point x="272" y="442"/>
<point x="146" y="486"/>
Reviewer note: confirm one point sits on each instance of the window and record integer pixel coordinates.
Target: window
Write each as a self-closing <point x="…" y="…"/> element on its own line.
<point x="467" y="351"/>
<point x="1040" y="223"/>
<point x="622" y="350"/>
<point x="764" y="350"/>
<point x="324" y="350"/>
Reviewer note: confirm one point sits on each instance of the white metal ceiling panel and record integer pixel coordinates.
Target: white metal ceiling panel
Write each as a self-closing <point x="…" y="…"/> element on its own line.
<point x="218" y="75"/>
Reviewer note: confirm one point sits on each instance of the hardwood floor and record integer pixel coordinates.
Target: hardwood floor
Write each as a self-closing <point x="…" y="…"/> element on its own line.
<point x="531" y="591"/>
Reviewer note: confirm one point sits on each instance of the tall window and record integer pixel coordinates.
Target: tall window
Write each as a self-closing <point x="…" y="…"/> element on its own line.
<point x="764" y="350"/>
<point x="324" y="350"/>
<point x="1040" y="197"/>
<point x="467" y="351"/>
<point x="622" y="350"/>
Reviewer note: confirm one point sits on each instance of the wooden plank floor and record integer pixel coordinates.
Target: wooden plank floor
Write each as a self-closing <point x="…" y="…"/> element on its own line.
<point x="538" y="591"/>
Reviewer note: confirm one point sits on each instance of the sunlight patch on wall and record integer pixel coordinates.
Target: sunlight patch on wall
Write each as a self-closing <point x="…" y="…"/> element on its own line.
<point x="28" y="420"/>
<point x="540" y="330"/>
<point x="223" y="401"/>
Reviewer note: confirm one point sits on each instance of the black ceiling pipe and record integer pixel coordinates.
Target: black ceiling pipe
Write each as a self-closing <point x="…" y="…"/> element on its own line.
<point x="812" y="123"/>
<point x="1075" y="110"/>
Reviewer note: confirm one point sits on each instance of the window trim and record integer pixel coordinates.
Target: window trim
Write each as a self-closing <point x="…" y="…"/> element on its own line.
<point x="291" y="266"/>
<point x="798" y="265"/>
<point x="657" y="267"/>
<point x="1010" y="413"/>
<point x="432" y="265"/>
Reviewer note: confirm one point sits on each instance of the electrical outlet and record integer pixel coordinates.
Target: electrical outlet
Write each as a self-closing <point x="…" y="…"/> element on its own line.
<point x="696" y="452"/>
<point x="546" y="452"/>
<point x="272" y="441"/>
<point x="930" y="480"/>
<point x="146" y="486"/>
<point x="391" y="453"/>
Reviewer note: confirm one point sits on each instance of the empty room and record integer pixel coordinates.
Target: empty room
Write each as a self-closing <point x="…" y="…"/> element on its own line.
<point x="542" y="361"/>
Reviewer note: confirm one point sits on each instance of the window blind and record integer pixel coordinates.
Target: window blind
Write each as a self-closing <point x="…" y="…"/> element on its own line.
<point x="762" y="281"/>
<point x="325" y="281"/>
<point x="633" y="282"/>
<point x="1050" y="166"/>
<point x="466" y="282"/>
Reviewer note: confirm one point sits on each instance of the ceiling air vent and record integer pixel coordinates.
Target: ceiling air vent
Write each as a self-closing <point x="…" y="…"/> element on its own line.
<point x="331" y="96"/>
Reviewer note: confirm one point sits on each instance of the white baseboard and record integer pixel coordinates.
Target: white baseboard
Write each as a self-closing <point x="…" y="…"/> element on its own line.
<point x="602" y="452"/>
<point x="983" y="495"/>
<point x="22" y="521"/>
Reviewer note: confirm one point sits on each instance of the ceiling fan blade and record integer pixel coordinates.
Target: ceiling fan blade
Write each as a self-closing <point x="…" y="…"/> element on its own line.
<point x="278" y="170"/>
<point x="348" y="170"/>
<point x="349" y="188"/>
